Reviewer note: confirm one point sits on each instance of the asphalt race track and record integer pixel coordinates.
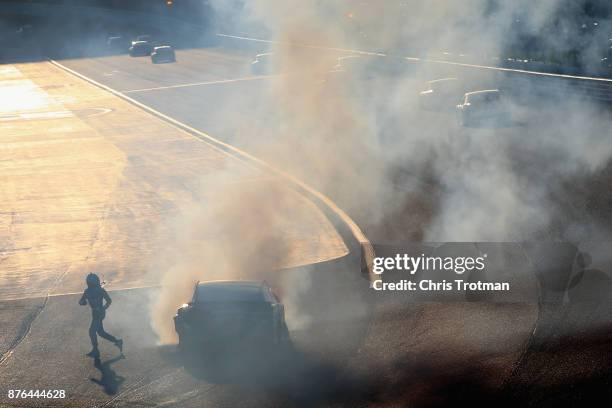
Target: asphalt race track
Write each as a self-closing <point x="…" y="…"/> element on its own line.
<point x="89" y="193"/>
<point x="126" y="180"/>
<point x="198" y="89"/>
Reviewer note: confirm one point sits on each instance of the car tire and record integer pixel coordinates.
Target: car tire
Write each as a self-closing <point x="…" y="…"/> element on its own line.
<point x="184" y="345"/>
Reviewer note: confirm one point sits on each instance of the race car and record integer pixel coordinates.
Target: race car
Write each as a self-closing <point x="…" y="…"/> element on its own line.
<point x="483" y="107"/>
<point x="226" y="313"/>
<point x="357" y="66"/>
<point x="117" y="43"/>
<point x="140" y="49"/>
<point x="368" y="67"/>
<point x="144" y="37"/>
<point x="441" y="94"/>
<point x="163" y="53"/>
<point x="262" y="64"/>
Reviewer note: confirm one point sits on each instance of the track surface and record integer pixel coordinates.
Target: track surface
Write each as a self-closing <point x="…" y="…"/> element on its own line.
<point x="93" y="183"/>
<point x="388" y="348"/>
<point x="82" y="184"/>
<point x="340" y="362"/>
<point x="197" y="91"/>
<point x="427" y="354"/>
<point x="212" y="89"/>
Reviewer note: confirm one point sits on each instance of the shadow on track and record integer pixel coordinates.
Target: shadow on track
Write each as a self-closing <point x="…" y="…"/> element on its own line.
<point x="287" y="373"/>
<point x="109" y="380"/>
<point x="302" y="380"/>
<point x="79" y="38"/>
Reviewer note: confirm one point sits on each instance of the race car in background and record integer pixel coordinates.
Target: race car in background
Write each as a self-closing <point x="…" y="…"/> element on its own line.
<point x="262" y="64"/>
<point x="441" y="94"/>
<point x="163" y="54"/>
<point x="142" y="46"/>
<point x="140" y="49"/>
<point x="486" y="107"/>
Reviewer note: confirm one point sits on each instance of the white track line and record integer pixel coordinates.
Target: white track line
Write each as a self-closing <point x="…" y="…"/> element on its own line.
<point x="52" y="295"/>
<point x="433" y="61"/>
<point x="215" y="144"/>
<point x="221" y="81"/>
<point x="520" y="71"/>
<point x="316" y="47"/>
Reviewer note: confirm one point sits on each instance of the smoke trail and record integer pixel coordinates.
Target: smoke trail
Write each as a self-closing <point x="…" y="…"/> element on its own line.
<point x="353" y="133"/>
<point x="360" y="137"/>
<point x="237" y="231"/>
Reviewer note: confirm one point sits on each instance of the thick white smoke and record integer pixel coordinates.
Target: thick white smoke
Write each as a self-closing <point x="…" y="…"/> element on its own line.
<point x="360" y="137"/>
<point x="352" y="134"/>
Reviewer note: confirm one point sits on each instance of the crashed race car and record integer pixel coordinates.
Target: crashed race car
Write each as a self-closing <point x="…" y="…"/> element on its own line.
<point x="226" y="313"/>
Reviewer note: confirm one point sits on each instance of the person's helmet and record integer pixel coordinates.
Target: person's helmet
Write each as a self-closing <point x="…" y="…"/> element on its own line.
<point x="92" y="280"/>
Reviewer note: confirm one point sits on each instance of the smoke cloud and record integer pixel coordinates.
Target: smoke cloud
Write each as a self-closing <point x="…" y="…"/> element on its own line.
<point x="238" y="230"/>
<point x="354" y="133"/>
<point x="359" y="136"/>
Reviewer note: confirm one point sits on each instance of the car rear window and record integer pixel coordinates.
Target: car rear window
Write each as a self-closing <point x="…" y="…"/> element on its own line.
<point x="229" y="293"/>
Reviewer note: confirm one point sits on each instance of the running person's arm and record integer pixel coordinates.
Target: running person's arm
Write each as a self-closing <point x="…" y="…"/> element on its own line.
<point x="107" y="298"/>
<point x="83" y="300"/>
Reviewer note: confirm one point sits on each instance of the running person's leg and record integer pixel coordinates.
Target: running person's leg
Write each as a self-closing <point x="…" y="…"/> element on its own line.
<point x="93" y="329"/>
<point x="108" y="336"/>
<point x="102" y="333"/>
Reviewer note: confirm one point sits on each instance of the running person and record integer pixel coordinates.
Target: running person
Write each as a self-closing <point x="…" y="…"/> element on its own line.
<point x="94" y="295"/>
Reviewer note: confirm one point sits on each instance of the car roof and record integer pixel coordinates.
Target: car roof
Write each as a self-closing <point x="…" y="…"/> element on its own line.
<point x="231" y="291"/>
<point x="481" y="92"/>
<point x="435" y="81"/>
<point x="139" y="42"/>
<point x="163" y="47"/>
<point x="231" y="283"/>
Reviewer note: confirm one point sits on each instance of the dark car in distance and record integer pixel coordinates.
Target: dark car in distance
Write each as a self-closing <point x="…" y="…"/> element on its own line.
<point x="226" y="313"/>
<point x="117" y="43"/>
<point x="262" y="64"/>
<point x="441" y="94"/>
<point x="144" y="37"/>
<point x="162" y="54"/>
<point x="25" y="31"/>
<point x="140" y="49"/>
<point x="484" y="107"/>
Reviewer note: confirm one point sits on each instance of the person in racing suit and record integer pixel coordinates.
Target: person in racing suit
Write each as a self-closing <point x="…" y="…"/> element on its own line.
<point x="95" y="295"/>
